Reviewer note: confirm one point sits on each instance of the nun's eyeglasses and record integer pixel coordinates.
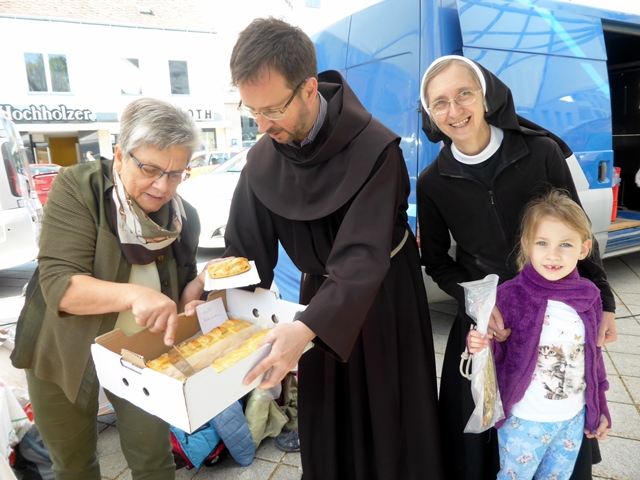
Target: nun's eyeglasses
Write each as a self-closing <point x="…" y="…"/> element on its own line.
<point x="463" y="99"/>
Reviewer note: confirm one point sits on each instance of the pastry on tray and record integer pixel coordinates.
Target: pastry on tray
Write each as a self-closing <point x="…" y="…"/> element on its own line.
<point x="195" y="351"/>
<point x="228" y="268"/>
<point x="239" y="353"/>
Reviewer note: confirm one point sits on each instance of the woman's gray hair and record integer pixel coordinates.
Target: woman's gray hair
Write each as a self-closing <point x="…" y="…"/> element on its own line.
<point x="149" y="122"/>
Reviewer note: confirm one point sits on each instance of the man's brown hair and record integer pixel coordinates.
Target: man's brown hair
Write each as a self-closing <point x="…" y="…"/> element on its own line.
<point x="269" y="43"/>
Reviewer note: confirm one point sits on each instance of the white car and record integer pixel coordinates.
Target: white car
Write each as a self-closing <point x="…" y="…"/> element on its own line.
<point x="210" y="194"/>
<point x="20" y="209"/>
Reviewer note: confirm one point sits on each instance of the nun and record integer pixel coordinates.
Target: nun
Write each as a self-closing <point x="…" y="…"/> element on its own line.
<point x="491" y="164"/>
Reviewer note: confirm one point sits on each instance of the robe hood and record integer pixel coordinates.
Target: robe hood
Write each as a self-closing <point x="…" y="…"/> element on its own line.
<point x="313" y="181"/>
<point x="501" y="110"/>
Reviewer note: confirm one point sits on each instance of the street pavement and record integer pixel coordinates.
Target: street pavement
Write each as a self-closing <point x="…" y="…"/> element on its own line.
<point x="620" y="451"/>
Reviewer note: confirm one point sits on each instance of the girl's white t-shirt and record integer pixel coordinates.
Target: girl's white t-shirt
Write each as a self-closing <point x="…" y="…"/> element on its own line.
<point x="557" y="389"/>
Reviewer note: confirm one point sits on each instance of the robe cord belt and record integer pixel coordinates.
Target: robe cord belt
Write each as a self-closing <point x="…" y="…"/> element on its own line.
<point x="394" y="252"/>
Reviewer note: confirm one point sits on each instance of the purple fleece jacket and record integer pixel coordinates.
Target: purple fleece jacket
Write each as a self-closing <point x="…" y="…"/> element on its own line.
<point x="522" y="302"/>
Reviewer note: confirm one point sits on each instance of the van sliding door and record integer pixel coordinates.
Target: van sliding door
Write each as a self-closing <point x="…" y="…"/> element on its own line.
<point x="553" y="58"/>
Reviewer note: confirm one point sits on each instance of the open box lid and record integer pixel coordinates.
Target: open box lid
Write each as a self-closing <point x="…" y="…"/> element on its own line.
<point x="261" y="304"/>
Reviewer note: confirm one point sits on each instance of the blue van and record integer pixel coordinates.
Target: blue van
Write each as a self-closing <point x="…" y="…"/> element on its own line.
<point x="20" y="209"/>
<point x="572" y="69"/>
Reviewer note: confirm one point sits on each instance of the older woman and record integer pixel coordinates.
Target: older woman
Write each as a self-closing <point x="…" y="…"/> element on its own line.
<point x="491" y="164"/>
<point x="117" y="250"/>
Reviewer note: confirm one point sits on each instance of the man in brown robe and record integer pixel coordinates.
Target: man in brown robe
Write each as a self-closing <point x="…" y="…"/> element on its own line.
<point x="330" y="183"/>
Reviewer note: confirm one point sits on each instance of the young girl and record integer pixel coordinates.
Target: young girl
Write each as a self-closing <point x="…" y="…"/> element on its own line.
<point x="550" y="372"/>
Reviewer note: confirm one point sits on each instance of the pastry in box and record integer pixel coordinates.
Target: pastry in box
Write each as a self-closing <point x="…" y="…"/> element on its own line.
<point x="222" y="347"/>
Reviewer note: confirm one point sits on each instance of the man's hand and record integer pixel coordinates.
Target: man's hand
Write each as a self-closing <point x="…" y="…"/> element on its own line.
<point x="288" y="342"/>
<point x="607" y="332"/>
<point x="496" y="326"/>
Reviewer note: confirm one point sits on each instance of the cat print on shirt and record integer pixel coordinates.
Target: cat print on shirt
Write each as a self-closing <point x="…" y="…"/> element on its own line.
<point x="561" y="370"/>
<point x="574" y="380"/>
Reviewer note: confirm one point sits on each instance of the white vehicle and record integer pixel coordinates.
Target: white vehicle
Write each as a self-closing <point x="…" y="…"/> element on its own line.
<point x="20" y="209"/>
<point x="211" y="194"/>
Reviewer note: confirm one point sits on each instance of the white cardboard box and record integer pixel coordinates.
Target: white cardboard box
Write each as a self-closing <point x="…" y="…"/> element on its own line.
<point x="188" y="404"/>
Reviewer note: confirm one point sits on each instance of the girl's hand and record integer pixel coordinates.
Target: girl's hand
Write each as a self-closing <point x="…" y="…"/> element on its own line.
<point x="476" y="342"/>
<point x="601" y="432"/>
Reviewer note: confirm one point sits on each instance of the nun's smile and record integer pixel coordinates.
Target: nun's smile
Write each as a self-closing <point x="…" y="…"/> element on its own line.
<point x="462" y="123"/>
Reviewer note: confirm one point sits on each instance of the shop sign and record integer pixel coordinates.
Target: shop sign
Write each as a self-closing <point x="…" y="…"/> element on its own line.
<point x="205" y="115"/>
<point x="44" y="114"/>
<point x="200" y="114"/>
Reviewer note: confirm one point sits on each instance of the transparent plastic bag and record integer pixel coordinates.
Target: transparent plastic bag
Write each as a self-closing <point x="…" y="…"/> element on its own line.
<point x="480" y="298"/>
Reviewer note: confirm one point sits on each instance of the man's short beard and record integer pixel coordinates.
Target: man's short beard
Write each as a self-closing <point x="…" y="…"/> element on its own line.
<point x="300" y="128"/>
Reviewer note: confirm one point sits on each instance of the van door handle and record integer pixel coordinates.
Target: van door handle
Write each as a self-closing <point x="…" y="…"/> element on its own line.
<point x="602" y="171"/>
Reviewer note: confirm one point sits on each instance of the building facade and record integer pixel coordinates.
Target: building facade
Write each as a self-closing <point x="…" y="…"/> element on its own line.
<point x="70" y="67"/>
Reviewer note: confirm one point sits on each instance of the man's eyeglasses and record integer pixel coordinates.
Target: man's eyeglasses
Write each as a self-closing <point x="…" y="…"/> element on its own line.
<point x="272" y="114"/>
<point x="463" y="99"/>
<point x="151" y="171"/>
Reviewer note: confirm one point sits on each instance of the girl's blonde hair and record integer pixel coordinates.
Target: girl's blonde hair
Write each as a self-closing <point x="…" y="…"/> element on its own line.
<point x="555" y="204"/>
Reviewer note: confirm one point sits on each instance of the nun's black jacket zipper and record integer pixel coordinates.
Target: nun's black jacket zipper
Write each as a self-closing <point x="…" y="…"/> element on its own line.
<point x="485" y="222"/>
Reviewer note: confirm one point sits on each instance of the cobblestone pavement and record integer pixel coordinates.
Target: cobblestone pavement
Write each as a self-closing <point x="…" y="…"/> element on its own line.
<point x="620" y="452"/>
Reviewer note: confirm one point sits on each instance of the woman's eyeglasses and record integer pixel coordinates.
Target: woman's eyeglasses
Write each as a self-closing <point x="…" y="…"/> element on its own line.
<point x="463" y="99"/>
<point x="272" y="114"/>
<point x="151" y="171"/>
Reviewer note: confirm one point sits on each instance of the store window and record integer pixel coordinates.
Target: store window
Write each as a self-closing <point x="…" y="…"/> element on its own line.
<point x="130" y="77"/>
<point x="51" y="75"/>
<point x="179" y="76"/>
<point x="209" y="140"/>
<point x="249" y="131"/>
